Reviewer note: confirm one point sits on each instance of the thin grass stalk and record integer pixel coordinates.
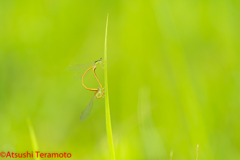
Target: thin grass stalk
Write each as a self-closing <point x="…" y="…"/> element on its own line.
<point x="33" y="138"/>
<point x="107" y="108"/>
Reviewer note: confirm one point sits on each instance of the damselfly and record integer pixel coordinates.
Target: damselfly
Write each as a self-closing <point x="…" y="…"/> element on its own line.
<point x="87" y="110"/>
<point x="98" y="92"/>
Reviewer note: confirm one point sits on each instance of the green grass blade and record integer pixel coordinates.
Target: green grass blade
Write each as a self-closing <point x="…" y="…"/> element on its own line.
<point x="197" y="152"/>
<point x="171" y="155"/>
<point x="107" y="108"/>
<point x="33" y="138"/>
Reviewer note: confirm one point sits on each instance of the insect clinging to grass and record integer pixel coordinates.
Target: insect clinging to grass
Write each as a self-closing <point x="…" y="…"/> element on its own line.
<point x="98" y="92"/>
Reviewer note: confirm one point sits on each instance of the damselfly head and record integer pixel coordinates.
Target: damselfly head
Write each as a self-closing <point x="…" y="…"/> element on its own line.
<point x="99" y="93"/>
<point x="98" y="61"/>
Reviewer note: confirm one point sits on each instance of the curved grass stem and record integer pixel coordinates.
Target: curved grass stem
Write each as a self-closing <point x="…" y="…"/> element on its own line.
<point x="107" y="108"/>
<point x="33" y="138"/>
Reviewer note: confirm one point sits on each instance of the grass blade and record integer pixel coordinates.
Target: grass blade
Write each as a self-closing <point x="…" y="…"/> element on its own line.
<point x="171" y="155"/>
<point x="33" y="138"/>
<point x="197" y="152"/>
<point x="107" y="108"/>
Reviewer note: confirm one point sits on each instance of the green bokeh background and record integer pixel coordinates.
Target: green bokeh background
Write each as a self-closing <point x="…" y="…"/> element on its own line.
<point x="173" y="72"/>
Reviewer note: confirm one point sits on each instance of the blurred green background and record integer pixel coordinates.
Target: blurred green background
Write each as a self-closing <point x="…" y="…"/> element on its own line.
<point x="173" y="72"/>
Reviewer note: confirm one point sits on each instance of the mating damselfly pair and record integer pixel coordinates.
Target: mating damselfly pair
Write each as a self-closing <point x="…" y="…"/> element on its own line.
<point x="98" y="92"/>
